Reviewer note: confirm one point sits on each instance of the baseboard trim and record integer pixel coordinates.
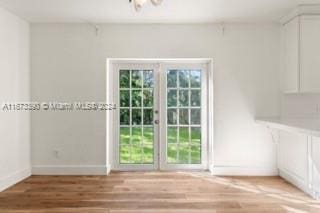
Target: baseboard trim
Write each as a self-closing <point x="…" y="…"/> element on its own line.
<point x="243" y="171"/>
<point x="69" y="170"/>
<point x="10" y="180"/>
<point x="108" y="169"/>
<point x="297" y="181"/>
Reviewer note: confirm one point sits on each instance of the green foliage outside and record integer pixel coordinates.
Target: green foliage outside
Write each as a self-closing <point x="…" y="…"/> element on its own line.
<point x="136" y="90"/>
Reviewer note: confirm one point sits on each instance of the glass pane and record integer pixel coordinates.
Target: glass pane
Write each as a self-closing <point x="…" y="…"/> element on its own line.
<point x="184" y="135"/>
<point x="148" y="154"/>
<point x="172" y="153"/>
<point x="124" y="154"/>
<point x="183" y="79"/>
<point x="136" y="79"/>
<point x="136" y="154"/>
<point x="184" y="154"/>
<point x="196" y="116"/>
<point x="136" y="142"/>
<point x="124" y="136"/>
<point x="148" y="135"/>
<point x="172" y="134"/>
<point x="195" y="155"/>
<point x="147" y="79"/>
<point x="184" y="98"/>
<point x="148" y="98"/>
<point x="125" y="98"/>
<point x="136" y="117"/>
<point x="136" y="98"/>
<point x="136" y="138"/>
<point x="184" y="110"/>
<point x="172" y="79"/>
<point x="172" y="98"/>
<point x="148" y="117"/>
<point x="184" y="116"/>
<point x="172" y="116"/>
<point x="124" y="117"/>
<point x="195" y="78"/>
<point x="196" y="98"/>
<point x="124" y="79"/>
<point x="196" y="135"/>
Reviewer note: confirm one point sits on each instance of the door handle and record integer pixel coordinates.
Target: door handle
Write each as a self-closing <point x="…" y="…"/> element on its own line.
<point x="156" y="121"/>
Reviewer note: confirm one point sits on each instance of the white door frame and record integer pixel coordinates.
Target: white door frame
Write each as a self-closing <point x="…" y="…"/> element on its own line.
<point x="112" y="116"/>
<point x="139" y="66"/>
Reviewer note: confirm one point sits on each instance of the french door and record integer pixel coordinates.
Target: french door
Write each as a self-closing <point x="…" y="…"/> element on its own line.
<point x="161" y="116"/>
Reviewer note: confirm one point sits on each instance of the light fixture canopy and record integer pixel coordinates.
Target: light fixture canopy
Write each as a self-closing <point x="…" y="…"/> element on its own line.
<point x="138" y="4"/>
<point x="156" y="2"/>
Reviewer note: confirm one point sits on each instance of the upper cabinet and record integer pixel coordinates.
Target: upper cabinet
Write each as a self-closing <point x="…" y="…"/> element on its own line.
<point x="310" y="54"/>
<point x="302" y="54"/>
<point x="291" y="56"/>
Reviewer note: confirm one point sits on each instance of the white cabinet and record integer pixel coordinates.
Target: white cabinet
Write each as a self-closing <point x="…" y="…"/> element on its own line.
<point x="293" y="157"/>
<point x="299" y="161"/>
<point x="298" y="153"/>
<point x="291" y="56"/>
<point x="310" y="53"/>
<point x="315" y="166"/>
<point x="302" y="54"/>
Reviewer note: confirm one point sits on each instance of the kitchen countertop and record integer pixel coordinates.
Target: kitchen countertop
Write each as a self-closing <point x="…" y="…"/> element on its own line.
<point x="301" y="125"/>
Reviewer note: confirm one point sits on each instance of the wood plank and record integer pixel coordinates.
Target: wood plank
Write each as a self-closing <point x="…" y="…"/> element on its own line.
<point x="155" y="192"/>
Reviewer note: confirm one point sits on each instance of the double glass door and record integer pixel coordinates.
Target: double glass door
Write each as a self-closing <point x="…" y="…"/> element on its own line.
<point x="161" y="116"/>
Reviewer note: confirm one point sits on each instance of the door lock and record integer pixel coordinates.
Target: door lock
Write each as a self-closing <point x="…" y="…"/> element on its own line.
<point x="156" y="121"/>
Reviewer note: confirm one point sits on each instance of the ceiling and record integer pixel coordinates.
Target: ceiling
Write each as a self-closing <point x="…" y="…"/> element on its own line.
<point x="171" y="11"/>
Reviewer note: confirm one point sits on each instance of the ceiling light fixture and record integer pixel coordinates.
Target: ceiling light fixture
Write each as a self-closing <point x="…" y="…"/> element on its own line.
<point x="138" y="4"/>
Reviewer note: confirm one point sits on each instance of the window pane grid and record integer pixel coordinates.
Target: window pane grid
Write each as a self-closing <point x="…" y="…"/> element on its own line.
<point x="137" y="108"/>
<point x="136" y="126"/>
<point x="177" y="88"/>
<point x="184" y="125"/>
<point x="179" y="107"/>
<point x="130" y="85"/>
<point x="187" y="88"/>
<point x="133" y="149"/>
<point x="189" y="135"/>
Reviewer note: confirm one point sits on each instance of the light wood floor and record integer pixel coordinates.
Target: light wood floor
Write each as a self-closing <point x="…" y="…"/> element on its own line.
<point x="155" y="192"/>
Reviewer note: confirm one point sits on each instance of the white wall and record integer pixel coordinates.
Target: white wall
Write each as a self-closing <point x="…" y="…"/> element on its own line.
<point x="68" y="64"/>
<point x="14" y="87"/>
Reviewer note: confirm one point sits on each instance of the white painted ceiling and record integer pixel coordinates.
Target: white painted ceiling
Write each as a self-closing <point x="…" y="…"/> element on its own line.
<point x="171" y="11"/>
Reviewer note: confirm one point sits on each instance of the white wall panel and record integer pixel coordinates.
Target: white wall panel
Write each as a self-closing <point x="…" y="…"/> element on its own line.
<point x="14" y="87"/>
<point x="68" y="64"/>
